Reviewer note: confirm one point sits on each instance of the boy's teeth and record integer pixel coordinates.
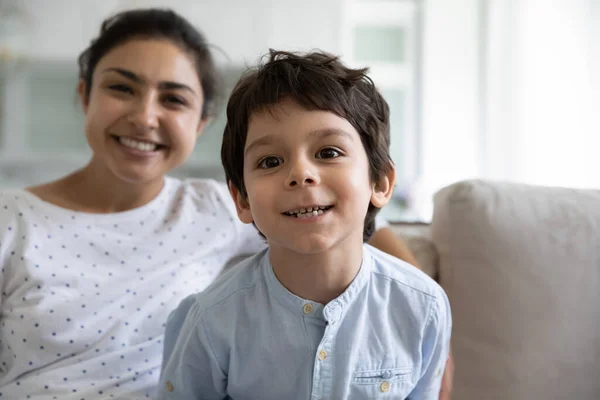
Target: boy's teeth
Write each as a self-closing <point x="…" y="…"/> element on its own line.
<point x="135" y="144"/>
<point x="314" y="213"/>
<point x="308" y="212"/>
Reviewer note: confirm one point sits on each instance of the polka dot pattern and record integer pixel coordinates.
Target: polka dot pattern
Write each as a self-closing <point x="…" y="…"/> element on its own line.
<point x="85" y="297"/>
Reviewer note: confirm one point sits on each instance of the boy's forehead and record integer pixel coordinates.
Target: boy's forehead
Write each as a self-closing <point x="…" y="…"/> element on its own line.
<point x="290" y="112"/>
<point x="276" y="111"/>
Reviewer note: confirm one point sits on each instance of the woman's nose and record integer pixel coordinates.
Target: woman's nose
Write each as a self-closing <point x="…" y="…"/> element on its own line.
<point x="145" y="113"/>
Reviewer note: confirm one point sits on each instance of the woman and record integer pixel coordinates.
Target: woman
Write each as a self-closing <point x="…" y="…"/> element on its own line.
<point x="93" y="263"/>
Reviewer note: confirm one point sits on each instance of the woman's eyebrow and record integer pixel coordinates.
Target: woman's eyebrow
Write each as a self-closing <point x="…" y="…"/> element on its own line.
<point x="138" y="79"/>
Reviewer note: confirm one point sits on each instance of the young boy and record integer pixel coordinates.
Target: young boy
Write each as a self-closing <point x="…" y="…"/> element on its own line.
<point x="319" y="314"/>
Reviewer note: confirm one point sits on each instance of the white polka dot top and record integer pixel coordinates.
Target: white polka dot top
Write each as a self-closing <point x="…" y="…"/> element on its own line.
<point x="85" y="297"/>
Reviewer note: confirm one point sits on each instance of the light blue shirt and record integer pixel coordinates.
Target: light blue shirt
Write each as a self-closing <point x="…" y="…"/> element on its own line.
<point x="247" y="337"/>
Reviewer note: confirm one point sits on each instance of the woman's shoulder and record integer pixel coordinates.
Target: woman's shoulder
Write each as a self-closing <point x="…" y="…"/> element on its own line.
<point x="11" y="194"/>
<point x="207" y="192"/>
<point x="11" y="203"/>
<point x="202" y="186"/>
<point x="13" y="206"/>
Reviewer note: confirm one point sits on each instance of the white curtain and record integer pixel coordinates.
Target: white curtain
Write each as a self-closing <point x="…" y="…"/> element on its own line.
<point x="511" y="91"/>
<point x="541" y="106"/>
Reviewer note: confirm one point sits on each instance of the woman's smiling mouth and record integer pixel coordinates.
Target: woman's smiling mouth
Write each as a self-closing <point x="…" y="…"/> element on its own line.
<point x="141" y="145"/>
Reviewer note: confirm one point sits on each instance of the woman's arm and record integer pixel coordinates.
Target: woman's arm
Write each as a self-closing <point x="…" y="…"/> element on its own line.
<point x="387" y="241"/>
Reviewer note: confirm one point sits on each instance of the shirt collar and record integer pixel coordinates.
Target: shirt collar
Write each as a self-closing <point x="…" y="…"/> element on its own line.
<point x="333" y="311"/>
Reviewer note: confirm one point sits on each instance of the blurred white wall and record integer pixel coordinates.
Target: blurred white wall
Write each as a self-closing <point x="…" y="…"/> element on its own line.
<point x="241" y="29"/>
<point x="510" y="88"/>
<point x="450" y="105"/>
<point x="542" y="126"/>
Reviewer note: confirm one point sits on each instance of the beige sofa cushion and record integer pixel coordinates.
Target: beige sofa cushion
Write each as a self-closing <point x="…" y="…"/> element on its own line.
<point x="521" y="266"/>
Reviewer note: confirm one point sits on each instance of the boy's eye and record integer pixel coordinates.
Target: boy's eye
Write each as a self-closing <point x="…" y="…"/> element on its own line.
<point x="270" y="162"/>
<point x="328" y="152"/>
<point x="121" y="88"/>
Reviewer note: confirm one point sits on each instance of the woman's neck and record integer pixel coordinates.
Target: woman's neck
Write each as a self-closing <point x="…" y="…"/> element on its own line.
<point x="319" y="277"/>
<point x="97" y="191"/>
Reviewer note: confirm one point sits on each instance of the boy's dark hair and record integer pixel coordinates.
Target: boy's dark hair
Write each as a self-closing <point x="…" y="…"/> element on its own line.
<point x="153" y="23"/>
<point x="317" y="81"/>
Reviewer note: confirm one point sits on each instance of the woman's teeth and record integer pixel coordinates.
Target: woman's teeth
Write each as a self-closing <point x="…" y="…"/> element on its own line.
<point x="136" y="144"/>
<point x="308" y="212"/>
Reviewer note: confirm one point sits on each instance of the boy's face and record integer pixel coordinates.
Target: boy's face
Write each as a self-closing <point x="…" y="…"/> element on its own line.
<point x="307" y="178"/>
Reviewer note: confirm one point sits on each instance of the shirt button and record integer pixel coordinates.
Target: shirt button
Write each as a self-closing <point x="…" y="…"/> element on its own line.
<point x="169" y="386"/>
<point x="384" y="387"/>
<point x="322" y="355"/>
<point x="308" y="308"/>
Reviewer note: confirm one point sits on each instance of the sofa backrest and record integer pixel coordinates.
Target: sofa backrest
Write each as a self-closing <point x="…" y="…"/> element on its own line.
<point x="521" y="266"/>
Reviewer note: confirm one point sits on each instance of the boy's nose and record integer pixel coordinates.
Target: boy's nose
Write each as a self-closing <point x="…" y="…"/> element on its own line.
<point x="305" y="181"/>
<point x="301" y="175"/>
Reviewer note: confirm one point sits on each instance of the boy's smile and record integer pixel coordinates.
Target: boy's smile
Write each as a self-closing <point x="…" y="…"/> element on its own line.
<point x="308" y="213"/>
<point x="307" y="177"/>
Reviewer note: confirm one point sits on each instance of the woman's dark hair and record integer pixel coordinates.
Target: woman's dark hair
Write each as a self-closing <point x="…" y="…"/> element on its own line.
<point x="317" y="81"/>
<point x="153" y="23"/>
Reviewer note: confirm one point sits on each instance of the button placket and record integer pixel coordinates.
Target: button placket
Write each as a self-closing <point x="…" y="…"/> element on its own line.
<point x="322" y="373"/>
<point x="333" y="313"/>
<point x="322" y="355"/>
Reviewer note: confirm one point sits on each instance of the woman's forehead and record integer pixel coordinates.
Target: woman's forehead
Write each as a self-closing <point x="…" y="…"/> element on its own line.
<point x="155" y="60"/>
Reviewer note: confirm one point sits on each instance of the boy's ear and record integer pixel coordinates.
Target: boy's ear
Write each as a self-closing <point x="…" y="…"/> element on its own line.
<point x="241" y="205"/>
<point x="383" y="189"/>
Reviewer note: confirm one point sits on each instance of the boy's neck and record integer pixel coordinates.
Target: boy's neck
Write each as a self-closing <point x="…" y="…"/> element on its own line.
<point x="319" y="277"/>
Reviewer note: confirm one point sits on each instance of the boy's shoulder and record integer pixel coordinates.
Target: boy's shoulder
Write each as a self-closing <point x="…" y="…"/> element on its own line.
<point x="403" y="275"/>
<point x="233" y="285"/>
<point x="410" y="290"/>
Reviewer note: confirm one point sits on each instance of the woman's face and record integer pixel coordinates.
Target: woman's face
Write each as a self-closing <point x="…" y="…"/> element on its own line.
<point x="143" y="113"/>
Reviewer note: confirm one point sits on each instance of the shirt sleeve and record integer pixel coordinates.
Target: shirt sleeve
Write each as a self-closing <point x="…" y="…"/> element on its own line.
<point x="190" y="368"/>
<point x="436" y="346"/>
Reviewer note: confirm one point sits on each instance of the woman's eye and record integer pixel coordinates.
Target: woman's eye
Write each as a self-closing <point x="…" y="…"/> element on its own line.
<point x="175" y="100"/>
<point x="121" y="88"/>
<point x="270" y="162"/>
<point x="328" y="153"/>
